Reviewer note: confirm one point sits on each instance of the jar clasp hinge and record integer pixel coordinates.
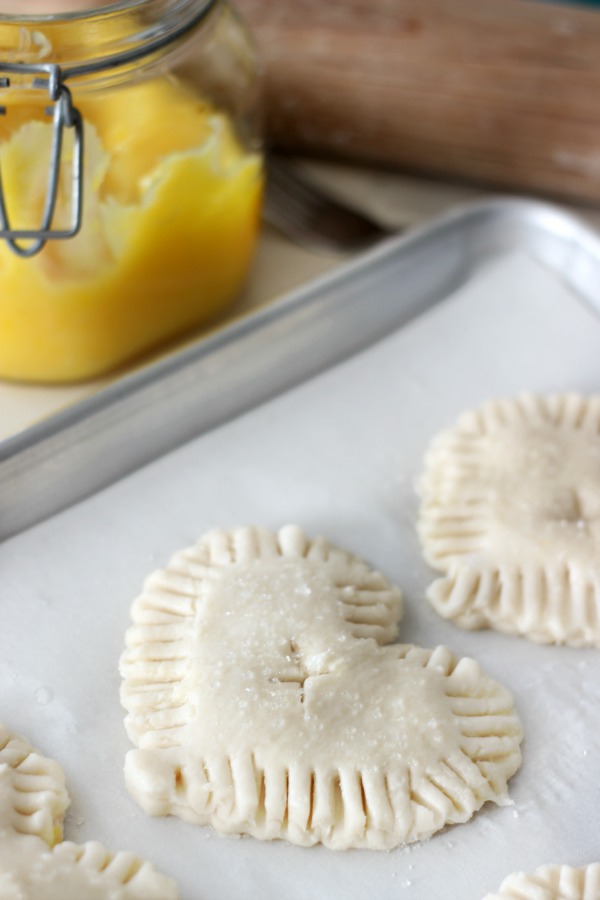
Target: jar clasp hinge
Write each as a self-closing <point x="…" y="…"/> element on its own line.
<point x="64" y="115"/>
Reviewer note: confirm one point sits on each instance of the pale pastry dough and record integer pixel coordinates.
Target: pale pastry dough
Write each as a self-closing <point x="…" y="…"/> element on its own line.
<point x="261" y="700"/>
<point x="33" y="866"/>
<point x="511" y="515"/>
<point x="33" y="796"/>
<point x="552" y="883"/>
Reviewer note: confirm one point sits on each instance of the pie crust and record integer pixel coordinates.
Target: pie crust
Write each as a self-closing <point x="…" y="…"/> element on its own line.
<point x="262" y="699"/>
<point x="34" y="863"/>
<point x="552" y="883"/>
<point x="511" y="515"/>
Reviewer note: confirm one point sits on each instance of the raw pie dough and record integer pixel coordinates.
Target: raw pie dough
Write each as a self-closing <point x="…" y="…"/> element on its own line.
<point x="263" y="700"/>
<point x="552" y="883"/>
<point x="511" y="515"/>
<point x="33" y="800"/>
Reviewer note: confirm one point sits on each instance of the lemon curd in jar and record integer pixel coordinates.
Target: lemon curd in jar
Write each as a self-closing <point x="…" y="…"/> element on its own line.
<point x="170" y="214"/>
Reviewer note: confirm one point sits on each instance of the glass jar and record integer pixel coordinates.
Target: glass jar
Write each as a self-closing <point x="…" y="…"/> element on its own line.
<point x="146" y="111"/>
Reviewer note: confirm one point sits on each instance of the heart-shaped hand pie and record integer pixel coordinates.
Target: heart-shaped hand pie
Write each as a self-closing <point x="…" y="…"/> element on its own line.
<point x="262" y="701"/>
<point x="511" y="515"/>
<point x="34" y="864"/>
<point x="552" y="883"/>
<point x="33" y="796"/>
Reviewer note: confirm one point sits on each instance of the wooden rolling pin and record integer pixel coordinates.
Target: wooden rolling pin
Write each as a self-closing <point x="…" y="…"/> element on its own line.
<point x="500" y="92"/>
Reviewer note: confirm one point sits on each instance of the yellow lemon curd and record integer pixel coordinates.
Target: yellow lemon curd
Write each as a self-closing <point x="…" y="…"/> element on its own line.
<point x="171" y="211"/>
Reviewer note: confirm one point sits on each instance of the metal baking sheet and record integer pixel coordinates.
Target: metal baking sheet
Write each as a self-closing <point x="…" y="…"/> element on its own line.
<point x="487" y="303"/>
<point x="97" y="440"/>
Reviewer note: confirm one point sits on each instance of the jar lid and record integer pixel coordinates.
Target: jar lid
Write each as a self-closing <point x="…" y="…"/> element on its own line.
<point x="36" y="8"/>
<point x="51" y="9"/>
<point x="85" y="37"/>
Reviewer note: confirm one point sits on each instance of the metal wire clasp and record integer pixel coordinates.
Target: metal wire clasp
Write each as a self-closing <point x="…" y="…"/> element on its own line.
<point x="64" y="115"/>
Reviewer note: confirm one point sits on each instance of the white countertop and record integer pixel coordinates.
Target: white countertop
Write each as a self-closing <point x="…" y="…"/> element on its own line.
<point x="397" y="200"/>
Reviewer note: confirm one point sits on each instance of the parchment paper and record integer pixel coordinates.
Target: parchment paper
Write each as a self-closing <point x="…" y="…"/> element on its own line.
<point x="339" y="455"/>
